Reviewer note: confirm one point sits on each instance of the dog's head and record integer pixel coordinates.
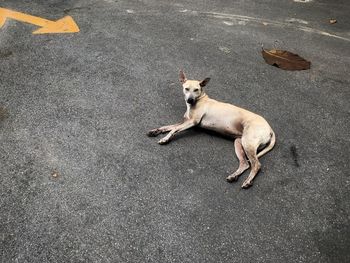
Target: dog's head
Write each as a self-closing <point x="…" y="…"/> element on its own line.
<point x="192" y="89"/>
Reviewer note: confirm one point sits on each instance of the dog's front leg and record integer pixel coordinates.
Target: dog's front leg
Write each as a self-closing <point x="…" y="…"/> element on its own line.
<point x="184" y="126"/>
<point x="156" y="132"/>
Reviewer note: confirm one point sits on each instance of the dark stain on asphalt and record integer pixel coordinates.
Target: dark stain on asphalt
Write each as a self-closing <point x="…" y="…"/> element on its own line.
<point x="5" y="54"/>
<point x="3" y="113"/>
<point x="295" y="155"/>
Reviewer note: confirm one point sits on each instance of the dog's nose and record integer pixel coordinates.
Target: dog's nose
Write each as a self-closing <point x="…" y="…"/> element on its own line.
<point x="190" y="101"/>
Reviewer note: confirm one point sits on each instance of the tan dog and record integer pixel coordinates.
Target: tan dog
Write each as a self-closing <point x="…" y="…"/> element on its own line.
<point x="250" y="130"/>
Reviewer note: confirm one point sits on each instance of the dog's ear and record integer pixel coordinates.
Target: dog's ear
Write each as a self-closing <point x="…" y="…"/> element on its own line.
<point x="204" y="82"/>
<point x="182" y="77"/>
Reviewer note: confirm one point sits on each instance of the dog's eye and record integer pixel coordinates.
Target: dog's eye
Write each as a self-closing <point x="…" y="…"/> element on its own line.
<point x="187" y="89"/>
<point x="195" y="90"/>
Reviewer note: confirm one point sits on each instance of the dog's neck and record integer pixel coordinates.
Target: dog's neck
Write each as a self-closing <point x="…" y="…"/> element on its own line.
<point x="202" y="96"/>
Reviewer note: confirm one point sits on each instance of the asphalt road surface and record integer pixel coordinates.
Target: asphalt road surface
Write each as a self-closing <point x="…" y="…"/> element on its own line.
<point x="81" y="182"/>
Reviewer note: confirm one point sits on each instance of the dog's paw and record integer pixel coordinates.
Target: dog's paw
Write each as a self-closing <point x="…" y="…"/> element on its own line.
<point x="154" y="133"/>
<point x="163" y="141"/>
<point x="246" y="185"/>
<point x="231" y="178"/>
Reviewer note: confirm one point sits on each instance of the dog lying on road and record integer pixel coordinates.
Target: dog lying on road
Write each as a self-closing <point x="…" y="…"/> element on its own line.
<point x="250" y="130"/>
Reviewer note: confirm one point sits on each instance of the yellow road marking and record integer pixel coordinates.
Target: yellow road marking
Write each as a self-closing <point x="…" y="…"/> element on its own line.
<point x="63" y="25"/>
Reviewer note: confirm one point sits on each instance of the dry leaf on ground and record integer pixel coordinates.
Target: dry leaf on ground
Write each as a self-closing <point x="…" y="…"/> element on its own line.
<point x="285" y="60"/>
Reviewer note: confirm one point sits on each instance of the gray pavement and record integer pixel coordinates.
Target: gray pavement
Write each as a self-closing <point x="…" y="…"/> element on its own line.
<point x="81" y="104"/>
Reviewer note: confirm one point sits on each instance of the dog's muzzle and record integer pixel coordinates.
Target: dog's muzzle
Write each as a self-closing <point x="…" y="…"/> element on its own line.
<point x="191" y="101"/>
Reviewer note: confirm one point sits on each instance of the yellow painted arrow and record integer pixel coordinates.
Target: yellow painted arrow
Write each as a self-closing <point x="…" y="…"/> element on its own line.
<point x="63" y="25"/>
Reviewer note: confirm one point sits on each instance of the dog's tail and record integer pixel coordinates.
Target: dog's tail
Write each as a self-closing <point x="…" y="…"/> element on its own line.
<point x="270" y="146"/>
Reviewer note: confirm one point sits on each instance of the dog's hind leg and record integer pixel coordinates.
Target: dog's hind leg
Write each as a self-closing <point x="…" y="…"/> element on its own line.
<point x="250" y="150"/>
<point x="243" y="163"/>
<point x="164" y="129"/>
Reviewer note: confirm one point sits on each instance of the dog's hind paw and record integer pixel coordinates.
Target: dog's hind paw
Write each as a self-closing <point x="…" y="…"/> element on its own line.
<point x="246" y="185"/>
<point x="153" y="133"/>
